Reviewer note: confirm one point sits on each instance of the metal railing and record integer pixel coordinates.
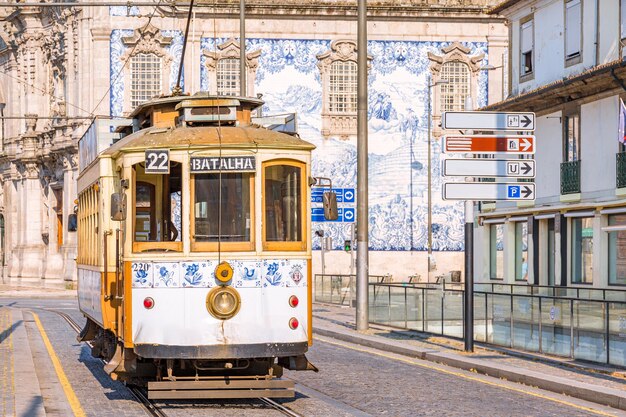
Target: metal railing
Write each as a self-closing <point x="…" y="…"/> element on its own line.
<point x="620" y="170"/>
<point x="570" y="177"/>
<point x="563" y="325"/>
<point x="606" y="294"/>
<point x="340" y="289"/>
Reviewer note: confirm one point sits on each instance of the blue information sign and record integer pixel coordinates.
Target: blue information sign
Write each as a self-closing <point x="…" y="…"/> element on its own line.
<point x="344" y="195"/>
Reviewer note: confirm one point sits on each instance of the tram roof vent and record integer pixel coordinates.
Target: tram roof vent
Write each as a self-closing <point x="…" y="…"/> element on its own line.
<point x="208" y="111"/>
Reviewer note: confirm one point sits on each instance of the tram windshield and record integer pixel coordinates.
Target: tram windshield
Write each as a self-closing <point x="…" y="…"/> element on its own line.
<point x="222" y="206"/>
<point x="158" y="203"/>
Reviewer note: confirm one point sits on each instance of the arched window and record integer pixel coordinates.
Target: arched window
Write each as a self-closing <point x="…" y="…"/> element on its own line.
<point x="343" y="87"/>
<point x="228" y="77"/>
<point x="146" y="78"/>
<point x="454" y="92"/>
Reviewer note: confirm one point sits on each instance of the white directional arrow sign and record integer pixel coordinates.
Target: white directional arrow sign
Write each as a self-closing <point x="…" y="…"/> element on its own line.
<point x="487" y="191"/>
<point x="518" y="168"/>
<point x="484" y="120"/>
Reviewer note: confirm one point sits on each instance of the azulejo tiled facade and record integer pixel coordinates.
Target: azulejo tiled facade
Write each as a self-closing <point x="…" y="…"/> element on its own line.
<point x="85" y="56"/>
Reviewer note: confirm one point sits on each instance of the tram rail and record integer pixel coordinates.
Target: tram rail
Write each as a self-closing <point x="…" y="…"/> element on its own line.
<point x="150" y="405"/>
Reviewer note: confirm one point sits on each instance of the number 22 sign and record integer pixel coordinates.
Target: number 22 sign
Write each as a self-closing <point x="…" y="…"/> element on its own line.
<point x="157" y="161"/>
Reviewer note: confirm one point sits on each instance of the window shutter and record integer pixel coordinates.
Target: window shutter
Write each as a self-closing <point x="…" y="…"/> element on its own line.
<point x="572" y="28"/>
<point x="623" y="18"/>
<point x="527" y="37"/>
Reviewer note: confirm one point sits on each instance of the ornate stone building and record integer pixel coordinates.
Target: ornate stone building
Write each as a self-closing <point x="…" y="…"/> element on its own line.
<point x="60" y="67"/>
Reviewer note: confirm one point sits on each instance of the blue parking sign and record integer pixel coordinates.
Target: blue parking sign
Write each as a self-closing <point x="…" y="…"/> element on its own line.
<point x="513" y="191"/>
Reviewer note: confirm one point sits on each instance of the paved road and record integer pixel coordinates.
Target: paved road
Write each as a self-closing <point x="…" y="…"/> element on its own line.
<point x="353" y="381"/>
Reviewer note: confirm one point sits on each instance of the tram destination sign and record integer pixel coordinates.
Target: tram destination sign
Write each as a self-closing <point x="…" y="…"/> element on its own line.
<point x="484" y="120"/>
<point x="488" y="191"/>
<point x="204" y="164"/>
<point x="518" y="168"/>
<point x="481" y="144"/>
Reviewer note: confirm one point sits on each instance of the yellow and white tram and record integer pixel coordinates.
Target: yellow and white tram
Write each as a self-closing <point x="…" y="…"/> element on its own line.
<point x="194" y="258"/>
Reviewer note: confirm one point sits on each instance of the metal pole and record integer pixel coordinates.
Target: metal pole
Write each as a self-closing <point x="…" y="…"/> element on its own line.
<point x="469" y="268"/>
<point x="429" y="221"/>
<point x="362" y="267"/>
<point x="242" y="48"/>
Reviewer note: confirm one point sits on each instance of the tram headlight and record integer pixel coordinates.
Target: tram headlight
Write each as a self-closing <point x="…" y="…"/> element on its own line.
<point x="223" y="302"/>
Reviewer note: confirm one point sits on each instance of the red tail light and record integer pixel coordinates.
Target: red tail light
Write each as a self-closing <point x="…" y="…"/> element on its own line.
<point x="148" y="303"/>
<point x="293" y="323"/>
<point x="293" y="301"/>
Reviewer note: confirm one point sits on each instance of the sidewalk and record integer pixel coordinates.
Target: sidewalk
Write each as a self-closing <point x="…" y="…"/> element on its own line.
<point x="20" y="394"/>
<point x="16" y="290"/>
<point x="588" y="382"/>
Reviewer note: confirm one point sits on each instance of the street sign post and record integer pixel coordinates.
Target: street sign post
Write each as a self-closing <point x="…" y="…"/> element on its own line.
<point x="516" y="168"/>
<point x="481" y="144"/>
<point x="482" y="120"/>
<point x="489" y="191"/>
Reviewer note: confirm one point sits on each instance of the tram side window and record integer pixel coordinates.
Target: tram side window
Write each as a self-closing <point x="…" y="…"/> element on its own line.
<point x="226" y="197"/>
<point x="158" y="205"/>
<point x="283" y="203"/>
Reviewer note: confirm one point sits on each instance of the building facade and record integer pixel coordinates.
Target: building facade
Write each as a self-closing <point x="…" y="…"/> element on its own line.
<point x="566" y="65"/>
<point x="61" y="67"/>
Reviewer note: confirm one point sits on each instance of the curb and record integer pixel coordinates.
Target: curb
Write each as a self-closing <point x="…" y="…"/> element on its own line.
<point x="581" y="390"/>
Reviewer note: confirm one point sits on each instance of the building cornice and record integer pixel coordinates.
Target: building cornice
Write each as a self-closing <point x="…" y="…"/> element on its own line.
<point x="592" y="82"/>
<point x="497" y="9"/>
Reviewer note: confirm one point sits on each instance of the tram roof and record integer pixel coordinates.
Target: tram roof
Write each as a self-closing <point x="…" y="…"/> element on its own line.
<point x="207" y="137"/>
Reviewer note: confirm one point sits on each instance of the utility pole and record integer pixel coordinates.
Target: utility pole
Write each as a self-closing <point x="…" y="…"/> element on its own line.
<point x="362" y="243"/>
<point x="242" y="48"/>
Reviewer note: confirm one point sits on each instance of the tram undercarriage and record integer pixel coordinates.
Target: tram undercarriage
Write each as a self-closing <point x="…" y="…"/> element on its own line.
<point x="184" y="378"/>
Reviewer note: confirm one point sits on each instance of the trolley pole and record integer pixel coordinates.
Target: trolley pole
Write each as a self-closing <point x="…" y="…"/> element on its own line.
<point x="242" y="48"/>
<point x="362" y="244"/>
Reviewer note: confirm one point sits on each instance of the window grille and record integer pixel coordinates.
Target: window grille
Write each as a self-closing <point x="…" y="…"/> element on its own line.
<point x="343" y="87"/>
<point x="146" y="78"/>
<point x="228" y="77"/>
<point x="455" y="91"/>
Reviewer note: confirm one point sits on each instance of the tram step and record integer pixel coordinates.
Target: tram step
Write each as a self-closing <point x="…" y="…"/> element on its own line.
<point x="221" y="389"/>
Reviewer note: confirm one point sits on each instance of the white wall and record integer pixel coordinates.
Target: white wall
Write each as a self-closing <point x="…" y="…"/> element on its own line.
<point x="599" y="144"/>
<point x="549" y="154"/>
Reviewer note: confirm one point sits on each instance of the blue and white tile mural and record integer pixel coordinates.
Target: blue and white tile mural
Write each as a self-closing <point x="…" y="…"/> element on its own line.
<point x="118" y="49"/>
<point x="290" y="81"/>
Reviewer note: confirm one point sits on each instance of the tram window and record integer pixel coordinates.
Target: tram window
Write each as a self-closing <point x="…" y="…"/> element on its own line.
<point x="283" y="203"/>
<point x="226" y="197"/>
<point x="158" y="205"/>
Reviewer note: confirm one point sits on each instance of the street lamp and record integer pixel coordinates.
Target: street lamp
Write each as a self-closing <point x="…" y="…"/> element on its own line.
<point x="429" y="188"/>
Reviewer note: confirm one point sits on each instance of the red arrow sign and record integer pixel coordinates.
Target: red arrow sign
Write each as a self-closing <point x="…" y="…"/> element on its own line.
<point x="519" y="145"/>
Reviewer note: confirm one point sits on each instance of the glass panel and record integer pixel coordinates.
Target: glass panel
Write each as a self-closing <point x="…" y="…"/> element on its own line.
<point x="500" y="314"/>
<point x="617" y="328"/>
<point x="521" y="251"/>
<point x="572" y="138"/>
<point x="222" y="207"/>
<point x="590" y="331"/>
<point x="158" y="205"/>
<point x="526" y="323"/>
<point x="379" y="304"/>
<point x="433" y="311"/>
<point x="414" y="309"/>
<point x="617" y="251"/>
<point x="453" y="313"/>
<point x="582" y="250"/>
<point x="398" y="305"/>
<point x="480" y="317"/>
<point x="496" y="245"/>
<point x="555" y="327"/>
<point x="283" y="200"/>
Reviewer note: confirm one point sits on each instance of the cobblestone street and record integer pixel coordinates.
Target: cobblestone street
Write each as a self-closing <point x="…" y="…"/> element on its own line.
<point x="353" y="380"/>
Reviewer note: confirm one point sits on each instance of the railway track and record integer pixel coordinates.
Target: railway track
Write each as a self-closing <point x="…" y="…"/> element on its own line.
<point x="150" y="405"/>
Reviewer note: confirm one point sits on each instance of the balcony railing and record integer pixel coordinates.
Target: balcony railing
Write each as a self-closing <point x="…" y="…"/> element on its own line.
<point x="570" y="177"/>
<point x="620" y="171"/>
